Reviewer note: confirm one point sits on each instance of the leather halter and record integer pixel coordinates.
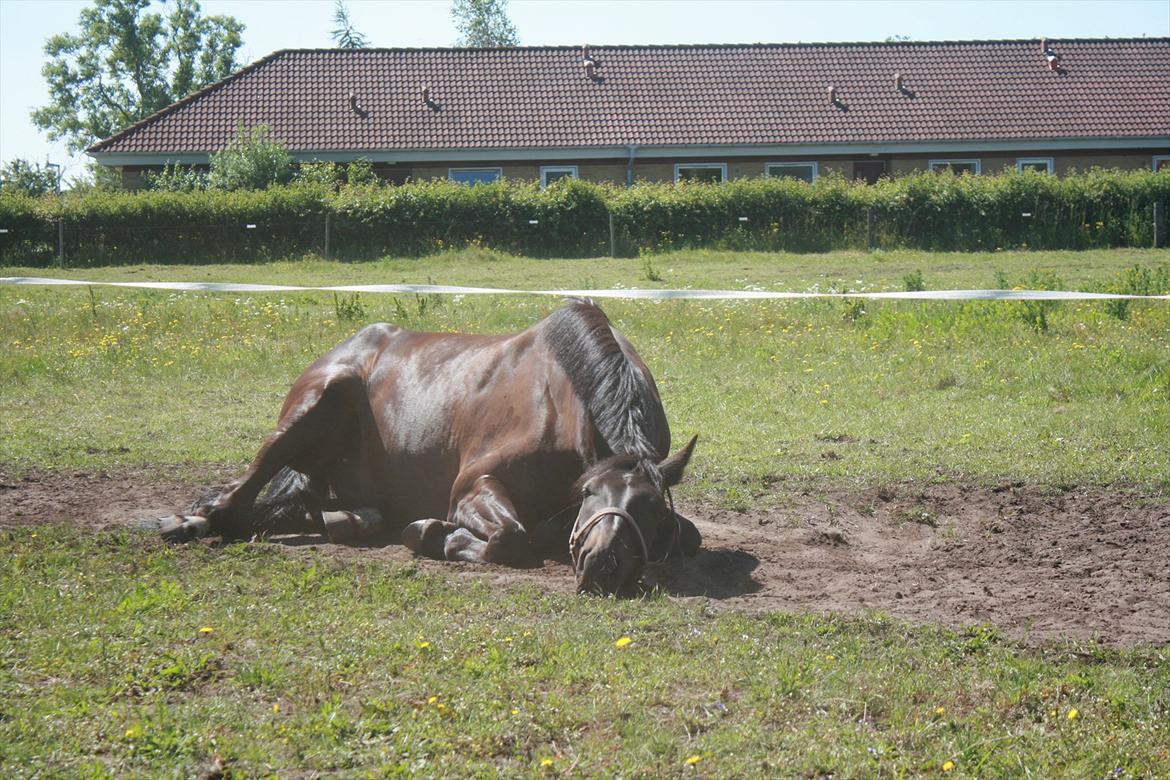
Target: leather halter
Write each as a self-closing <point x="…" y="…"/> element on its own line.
<point x="581" y="531"/>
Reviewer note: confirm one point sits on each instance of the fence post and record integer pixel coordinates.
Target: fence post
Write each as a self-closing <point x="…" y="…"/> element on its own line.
<point x="1159" y="224"/>
<point x="61" y="242"/>
<point x="870" y="238"/>
<point x="612" y="239"/>
<point x="327" y="220"/>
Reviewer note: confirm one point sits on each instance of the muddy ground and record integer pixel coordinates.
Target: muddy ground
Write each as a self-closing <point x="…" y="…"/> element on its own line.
<point x="1039" y="564"/>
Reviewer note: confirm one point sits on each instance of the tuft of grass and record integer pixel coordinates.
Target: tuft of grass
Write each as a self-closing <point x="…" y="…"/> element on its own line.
<point x="285" y="662"/>
<point x="649" y="272"/>
<point x="348" y="308"/>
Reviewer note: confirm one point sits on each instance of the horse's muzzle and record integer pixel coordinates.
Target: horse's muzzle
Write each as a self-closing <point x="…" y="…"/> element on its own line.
<point x="606" y="570"/>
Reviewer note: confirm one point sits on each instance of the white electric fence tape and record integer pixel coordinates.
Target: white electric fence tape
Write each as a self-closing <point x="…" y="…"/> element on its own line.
<point x="442" y="289"/>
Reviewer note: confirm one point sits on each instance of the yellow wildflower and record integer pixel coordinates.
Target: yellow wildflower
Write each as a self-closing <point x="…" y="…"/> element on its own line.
<point x="546" y="762"/>
<point x="206" y="630"/>
<point x="692" y="760"/>
<point x="275" y="707"/>
<point x="432" y="699"/>
<point x="948" y="766"/>
<point x="625" y="640"/>
<point x="1073" y="714"/>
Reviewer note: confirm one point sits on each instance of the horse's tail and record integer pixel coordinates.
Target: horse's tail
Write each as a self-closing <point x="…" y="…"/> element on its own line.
<point x="290" y="495"/>
<point x="287" y="499"/>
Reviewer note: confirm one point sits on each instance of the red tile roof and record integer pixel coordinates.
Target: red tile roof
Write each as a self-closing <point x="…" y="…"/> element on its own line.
<point x="705" y="95"/>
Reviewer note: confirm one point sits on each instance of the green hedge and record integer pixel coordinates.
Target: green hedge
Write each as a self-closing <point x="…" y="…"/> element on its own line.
<point x="573" y="218"/>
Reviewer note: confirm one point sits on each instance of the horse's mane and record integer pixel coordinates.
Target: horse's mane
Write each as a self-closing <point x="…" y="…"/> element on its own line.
<point x="621" y="402"/>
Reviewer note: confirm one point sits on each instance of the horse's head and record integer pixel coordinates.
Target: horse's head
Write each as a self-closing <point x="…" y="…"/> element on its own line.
<point x="625" y="521"/>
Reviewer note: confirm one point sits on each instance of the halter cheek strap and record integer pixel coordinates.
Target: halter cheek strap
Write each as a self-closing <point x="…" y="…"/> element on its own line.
<point x="581" y="531"/>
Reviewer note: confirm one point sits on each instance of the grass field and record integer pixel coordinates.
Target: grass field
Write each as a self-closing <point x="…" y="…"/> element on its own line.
<point x="779" y="390"/>
<point x="120" y="657"/>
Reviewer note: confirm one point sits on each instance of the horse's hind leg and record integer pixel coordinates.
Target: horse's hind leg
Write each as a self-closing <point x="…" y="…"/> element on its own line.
<point x="307" y="434"/>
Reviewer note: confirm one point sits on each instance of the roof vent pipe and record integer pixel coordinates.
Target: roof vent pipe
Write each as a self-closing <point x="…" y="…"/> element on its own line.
<point x="898" y="82"/>
<point x="353" y="102"/>
<point x="426" y="96"/>
<point x="588" y="62"/>
<point x="1050" y="55"/>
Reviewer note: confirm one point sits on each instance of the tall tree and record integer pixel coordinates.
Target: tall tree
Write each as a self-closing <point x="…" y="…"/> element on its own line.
<point x="126" y="63"/>
<point x="484" y="23"/>
<point x="344" y="35"/>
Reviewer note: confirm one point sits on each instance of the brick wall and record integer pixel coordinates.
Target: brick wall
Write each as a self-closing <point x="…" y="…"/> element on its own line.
<point x="662" y="170"/>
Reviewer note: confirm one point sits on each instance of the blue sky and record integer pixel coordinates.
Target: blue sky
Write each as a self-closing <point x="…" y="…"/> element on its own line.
<point x="283" y="24"/>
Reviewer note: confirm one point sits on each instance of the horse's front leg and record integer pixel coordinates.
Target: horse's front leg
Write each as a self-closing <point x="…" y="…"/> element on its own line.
<point x="482" y="527"/>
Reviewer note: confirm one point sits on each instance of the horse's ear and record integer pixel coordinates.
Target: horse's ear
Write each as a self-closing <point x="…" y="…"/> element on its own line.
<point x="672" y="468"/>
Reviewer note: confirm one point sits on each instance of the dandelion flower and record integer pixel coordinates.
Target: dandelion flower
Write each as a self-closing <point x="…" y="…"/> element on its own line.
<point x="421" y="644"/>
<point x="206" y="630"/>
<point x="625" y="640"/>
<point x="275" y="707"/>
<point x="546" y="762"/>
<point x="948" y="766"/>
<point x="1073" y="714"/>
<point x="432" y="699"/>
<point x="940" y="710"/>
<point x="692" y="760"/>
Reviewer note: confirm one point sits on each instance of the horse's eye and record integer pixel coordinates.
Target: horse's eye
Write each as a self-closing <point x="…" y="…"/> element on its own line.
<point x="586" y="492"/>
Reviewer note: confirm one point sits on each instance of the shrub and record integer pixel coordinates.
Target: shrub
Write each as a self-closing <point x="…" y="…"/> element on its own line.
<point x="176" y="178"/>
<point x="251" y="161"/>
<point x="335" y="175"/>
<point x="324" y="174"/>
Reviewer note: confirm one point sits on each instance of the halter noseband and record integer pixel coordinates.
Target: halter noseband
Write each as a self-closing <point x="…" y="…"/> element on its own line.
<point x="581" y="531"/>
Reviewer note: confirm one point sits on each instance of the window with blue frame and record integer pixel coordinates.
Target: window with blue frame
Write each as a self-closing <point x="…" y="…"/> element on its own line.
<point x="474" y="175"/>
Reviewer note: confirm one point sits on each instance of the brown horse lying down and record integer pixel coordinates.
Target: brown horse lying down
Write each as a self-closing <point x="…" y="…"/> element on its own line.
<point x="498" y="435"/>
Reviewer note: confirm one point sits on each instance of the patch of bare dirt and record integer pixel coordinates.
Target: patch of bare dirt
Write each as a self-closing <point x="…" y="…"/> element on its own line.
<point x="1040" y="564"/>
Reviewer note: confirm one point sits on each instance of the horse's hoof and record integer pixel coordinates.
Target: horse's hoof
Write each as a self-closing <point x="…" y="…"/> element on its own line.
<point x="345" y="526"/>
<point x="178" y="529"/>
<point x="427" y="538"/>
